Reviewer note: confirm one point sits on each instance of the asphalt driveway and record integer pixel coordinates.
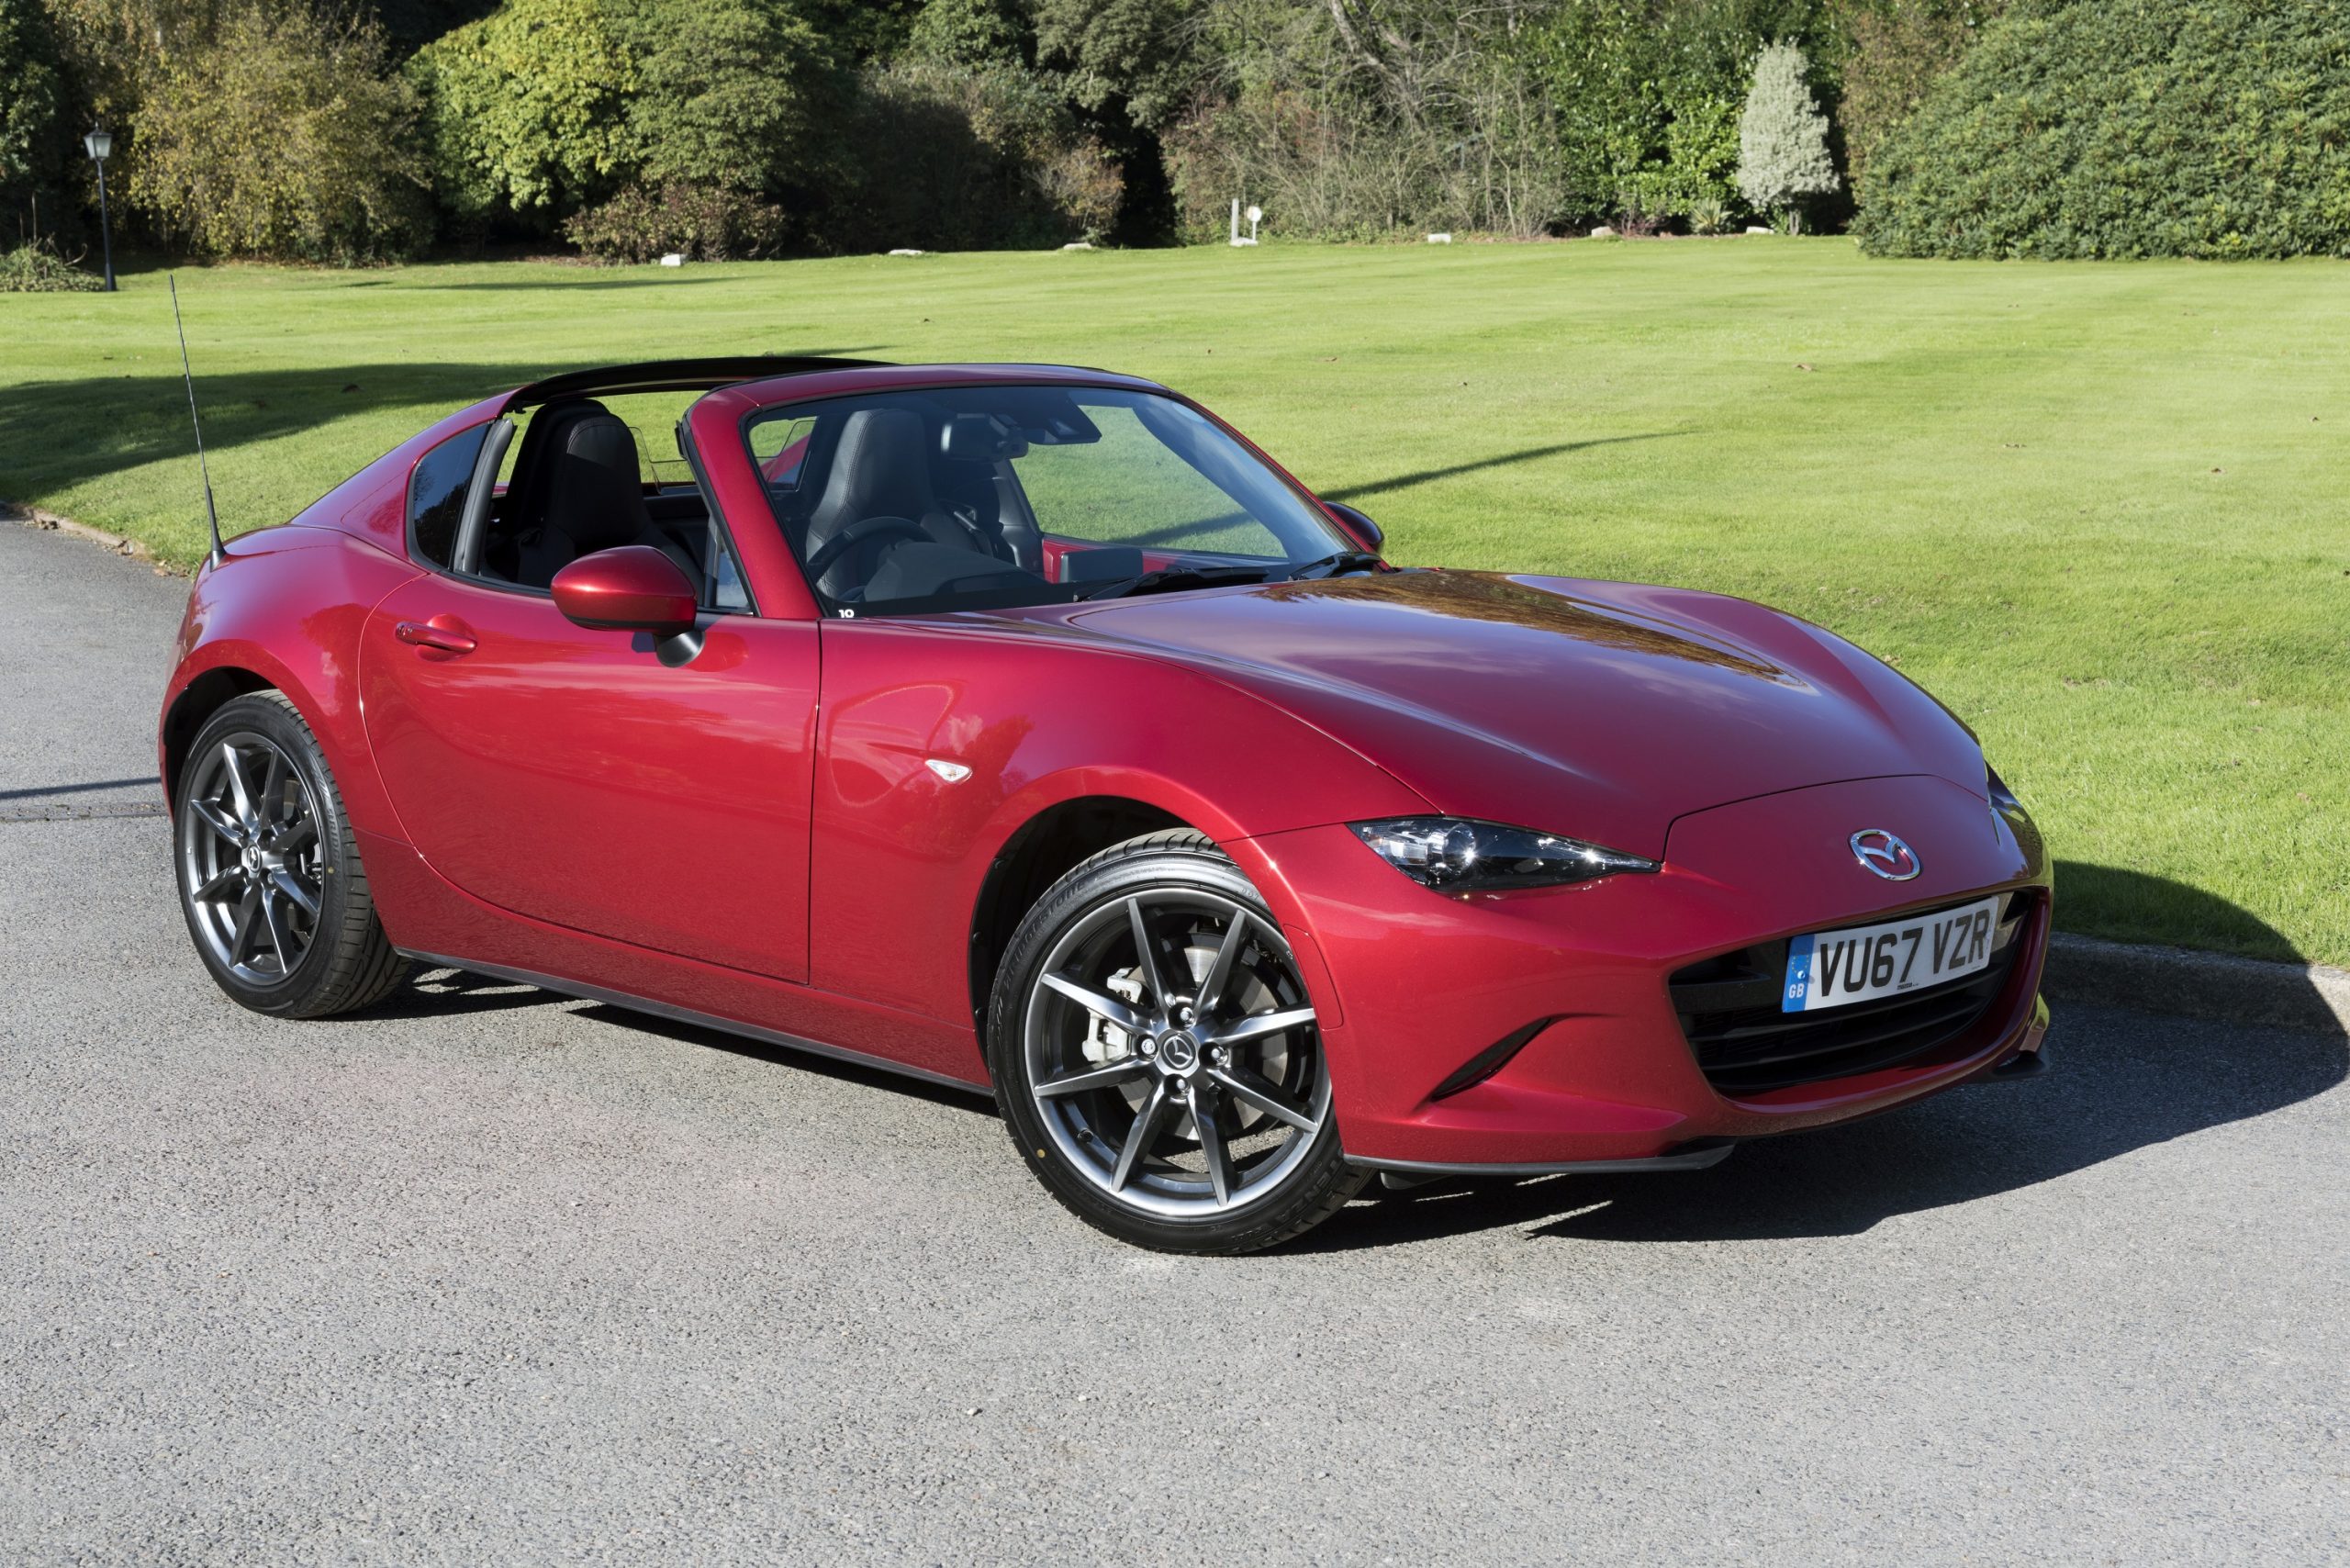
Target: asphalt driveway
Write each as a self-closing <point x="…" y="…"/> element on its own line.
<point x="486" y="1276"/>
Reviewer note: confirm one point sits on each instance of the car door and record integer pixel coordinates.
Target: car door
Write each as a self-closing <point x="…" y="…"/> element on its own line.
<point x="568" y="774"/>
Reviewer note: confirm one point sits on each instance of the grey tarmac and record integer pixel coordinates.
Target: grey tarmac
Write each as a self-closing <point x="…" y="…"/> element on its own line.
<point x="489" y="1277"/>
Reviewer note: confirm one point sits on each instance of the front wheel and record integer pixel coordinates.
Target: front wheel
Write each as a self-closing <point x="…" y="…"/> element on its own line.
<point x="268" y="873"/>
<point x="1155" y="1058"/>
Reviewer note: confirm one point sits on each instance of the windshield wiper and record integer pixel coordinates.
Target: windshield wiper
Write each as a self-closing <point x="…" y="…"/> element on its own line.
<point x="1175" y="578"/>
<point x="1335" y="565"/>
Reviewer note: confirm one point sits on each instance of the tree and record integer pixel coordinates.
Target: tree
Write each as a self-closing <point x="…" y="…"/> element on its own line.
<point x="526" y="111"/>
<point x="283" y="135"/>
<point x="1899" y="48"/>
<point x="972" y="33"/>
<point x="33" y="134"/>
<point x="1783" y="158"/>
<point x="1138" y="53"/>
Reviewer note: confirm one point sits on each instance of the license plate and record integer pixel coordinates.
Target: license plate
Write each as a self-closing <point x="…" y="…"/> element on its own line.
<point x="1860" y="963"/>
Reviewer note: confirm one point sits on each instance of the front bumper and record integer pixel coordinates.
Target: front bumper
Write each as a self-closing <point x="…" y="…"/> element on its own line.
<point x="1413" y="986"/>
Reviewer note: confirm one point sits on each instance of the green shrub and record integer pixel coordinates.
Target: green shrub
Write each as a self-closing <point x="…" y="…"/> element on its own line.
<point x="2129" y="129"/>
<point x="657" y="125"/>
<point x="708" y="223"/>
<point x="526" y="111"/>
<point x="951" y="158"/>
<point x="282" y="136"/>
<point x="34" y="268"/>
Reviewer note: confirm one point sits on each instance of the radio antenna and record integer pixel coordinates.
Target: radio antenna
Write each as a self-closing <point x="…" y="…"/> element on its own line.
<point x="211" y="513"/>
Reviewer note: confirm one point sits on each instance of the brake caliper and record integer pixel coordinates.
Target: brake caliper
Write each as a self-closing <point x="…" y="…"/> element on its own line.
<point x="1105" y="1041"/>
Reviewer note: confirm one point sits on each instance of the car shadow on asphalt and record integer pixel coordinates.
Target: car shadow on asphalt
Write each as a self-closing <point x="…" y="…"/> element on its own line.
<point x="880" y="1079"/>
<point x="2116" y="1082"/>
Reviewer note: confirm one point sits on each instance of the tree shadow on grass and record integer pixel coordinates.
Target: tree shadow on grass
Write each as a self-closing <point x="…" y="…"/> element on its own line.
<point x="663" y="277"/>
<point x="60" y="433"/>
<point x="2118" y="1083"/>
<point x="1349" y="494"/>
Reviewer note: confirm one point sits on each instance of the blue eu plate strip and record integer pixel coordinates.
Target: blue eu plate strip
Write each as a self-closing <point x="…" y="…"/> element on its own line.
<point x="1798" y="976"/>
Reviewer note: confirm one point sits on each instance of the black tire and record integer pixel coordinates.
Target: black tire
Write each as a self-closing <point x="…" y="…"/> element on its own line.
<point x="1300" y="1178"/>
<point x="258" y="748"/>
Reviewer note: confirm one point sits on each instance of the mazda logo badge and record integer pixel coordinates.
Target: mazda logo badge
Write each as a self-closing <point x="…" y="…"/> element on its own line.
<point x="1887" y="856"/>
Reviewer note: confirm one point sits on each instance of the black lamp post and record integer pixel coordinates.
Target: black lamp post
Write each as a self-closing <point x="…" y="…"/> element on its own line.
<point x="100" y="144"/>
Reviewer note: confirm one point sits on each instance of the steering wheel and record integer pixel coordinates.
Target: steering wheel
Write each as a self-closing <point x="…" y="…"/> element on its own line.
<point x="862" y="531"/>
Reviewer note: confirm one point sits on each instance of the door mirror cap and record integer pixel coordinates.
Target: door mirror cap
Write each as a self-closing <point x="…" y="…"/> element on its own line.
<point x="631" y="588"/>
<point x="1358" y="523"/>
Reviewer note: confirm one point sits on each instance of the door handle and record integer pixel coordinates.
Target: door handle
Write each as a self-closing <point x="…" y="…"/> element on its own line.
<point x="442" y="633"/>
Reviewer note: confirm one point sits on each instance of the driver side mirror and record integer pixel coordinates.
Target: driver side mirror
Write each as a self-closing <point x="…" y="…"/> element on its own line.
<point x="634" y="588"/>
<point x="1358" y="523"/>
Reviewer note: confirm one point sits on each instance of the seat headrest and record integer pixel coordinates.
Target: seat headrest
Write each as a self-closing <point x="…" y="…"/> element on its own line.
<point x="879" y="469"/>
<point x="595" y="489"/>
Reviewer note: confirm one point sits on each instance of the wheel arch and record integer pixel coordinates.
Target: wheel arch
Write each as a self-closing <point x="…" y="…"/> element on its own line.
<point x="201" y="698"/>
<point x="1040" y="853"/>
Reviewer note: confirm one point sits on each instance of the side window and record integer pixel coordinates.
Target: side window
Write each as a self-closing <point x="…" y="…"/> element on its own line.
<point x="436" y="495"/>
<point x="1132" y="489"/>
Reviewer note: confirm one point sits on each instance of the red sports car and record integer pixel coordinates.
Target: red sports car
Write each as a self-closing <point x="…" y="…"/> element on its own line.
<point x="1026" y="728"/>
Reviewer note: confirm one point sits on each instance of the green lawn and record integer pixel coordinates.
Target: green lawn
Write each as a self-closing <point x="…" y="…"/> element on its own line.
<point x="2099" y="509"/>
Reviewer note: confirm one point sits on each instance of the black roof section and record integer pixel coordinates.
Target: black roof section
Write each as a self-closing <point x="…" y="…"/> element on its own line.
<point x="676" y="376"/>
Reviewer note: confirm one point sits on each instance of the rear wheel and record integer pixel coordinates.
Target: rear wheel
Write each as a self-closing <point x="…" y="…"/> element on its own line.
<point x="269" y="875"/>
<point x="1155" y="1054"/>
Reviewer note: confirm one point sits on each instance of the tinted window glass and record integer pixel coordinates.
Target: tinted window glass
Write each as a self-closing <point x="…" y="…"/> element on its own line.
<point x="436" y="495"/>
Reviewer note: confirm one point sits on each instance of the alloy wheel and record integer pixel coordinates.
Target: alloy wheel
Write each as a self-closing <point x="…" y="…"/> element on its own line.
<point x="249" y="857"/>
<point x="1172" y="1055"/>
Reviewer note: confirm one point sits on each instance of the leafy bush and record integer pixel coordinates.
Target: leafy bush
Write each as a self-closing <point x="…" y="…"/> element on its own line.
<point x="952" y="158"/>
<point x="2127" y="128"/>
<point x="283" y="137"/>
<point x="526" y="111"/>
<point x="654" y="125"/>
<point x="34" y="268"/>
<point x="708" y="223"/>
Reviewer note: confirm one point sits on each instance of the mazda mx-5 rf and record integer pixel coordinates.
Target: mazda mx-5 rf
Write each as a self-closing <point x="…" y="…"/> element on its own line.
<point x="1026" y="729"/>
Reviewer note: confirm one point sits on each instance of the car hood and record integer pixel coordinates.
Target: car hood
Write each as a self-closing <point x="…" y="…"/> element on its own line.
<point x="1602" y="710"/>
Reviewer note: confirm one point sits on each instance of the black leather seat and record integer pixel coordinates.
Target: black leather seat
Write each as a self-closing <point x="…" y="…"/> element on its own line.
<point x="589" y="495"/>
<point x="879" y="469"/>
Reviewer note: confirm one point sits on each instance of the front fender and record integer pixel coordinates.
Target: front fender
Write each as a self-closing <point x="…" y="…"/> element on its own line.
<point x="901" y="850"/>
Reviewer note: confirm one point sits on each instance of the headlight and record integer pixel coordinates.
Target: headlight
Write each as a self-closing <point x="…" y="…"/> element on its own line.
<point x="1455" y="855"/>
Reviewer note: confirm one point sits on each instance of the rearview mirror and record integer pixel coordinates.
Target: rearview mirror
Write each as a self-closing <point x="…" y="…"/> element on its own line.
<point x="631" y="588"/>
<point x="1369" y="532"/>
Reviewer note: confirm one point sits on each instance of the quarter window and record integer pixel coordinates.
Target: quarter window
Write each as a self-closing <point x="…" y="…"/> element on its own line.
<point x="436" y="495"/>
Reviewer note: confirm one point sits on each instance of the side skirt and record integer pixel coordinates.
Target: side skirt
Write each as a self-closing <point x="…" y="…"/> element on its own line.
<point x="587" y="992"/>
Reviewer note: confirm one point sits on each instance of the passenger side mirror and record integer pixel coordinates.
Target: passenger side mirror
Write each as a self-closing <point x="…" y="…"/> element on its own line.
<point x="631" y="588"/>
<point x="1369" y="532"/>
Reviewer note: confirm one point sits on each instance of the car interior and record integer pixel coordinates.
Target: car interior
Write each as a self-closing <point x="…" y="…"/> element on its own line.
<point x="579" y="483"/>
<point x="917" y="500"/>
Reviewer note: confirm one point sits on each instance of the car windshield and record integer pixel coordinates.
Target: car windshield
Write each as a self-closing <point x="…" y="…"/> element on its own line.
<point x="991" y="497"/>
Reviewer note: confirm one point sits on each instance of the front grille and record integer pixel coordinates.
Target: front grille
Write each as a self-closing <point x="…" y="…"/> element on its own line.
<point x="1728" y="1007"/>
